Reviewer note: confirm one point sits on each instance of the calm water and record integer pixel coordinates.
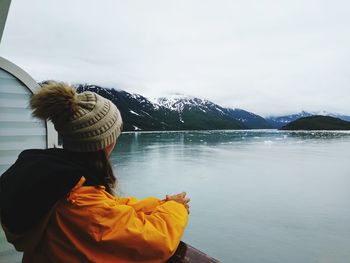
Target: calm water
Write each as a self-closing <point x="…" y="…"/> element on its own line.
<point x="257" y="196"/>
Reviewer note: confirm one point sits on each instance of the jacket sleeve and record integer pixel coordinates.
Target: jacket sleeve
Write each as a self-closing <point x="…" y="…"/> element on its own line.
<point x="146" y="205"/>
<point x="134" y="235"/>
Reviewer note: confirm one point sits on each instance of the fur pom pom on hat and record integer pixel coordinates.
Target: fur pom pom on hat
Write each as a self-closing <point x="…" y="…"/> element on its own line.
<point x="85" y="121"/>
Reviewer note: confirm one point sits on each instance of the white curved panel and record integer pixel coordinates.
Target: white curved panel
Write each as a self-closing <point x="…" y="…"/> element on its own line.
<point x="18" y="131"/>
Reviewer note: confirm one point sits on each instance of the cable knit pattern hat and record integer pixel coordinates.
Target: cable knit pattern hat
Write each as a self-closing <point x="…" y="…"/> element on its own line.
<point x="85" y="121"/>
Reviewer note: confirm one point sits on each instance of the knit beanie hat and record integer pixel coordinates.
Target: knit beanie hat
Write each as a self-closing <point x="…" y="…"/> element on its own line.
<point x="85" y="121"/>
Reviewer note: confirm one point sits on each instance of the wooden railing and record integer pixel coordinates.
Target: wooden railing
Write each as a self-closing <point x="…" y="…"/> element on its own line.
<point x="188" y="254"/>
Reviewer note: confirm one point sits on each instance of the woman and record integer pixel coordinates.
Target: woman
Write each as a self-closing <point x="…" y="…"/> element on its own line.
<point x="57" y="205"/>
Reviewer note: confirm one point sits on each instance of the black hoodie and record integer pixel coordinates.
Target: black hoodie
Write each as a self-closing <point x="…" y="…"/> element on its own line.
<point x="34" y="183"/>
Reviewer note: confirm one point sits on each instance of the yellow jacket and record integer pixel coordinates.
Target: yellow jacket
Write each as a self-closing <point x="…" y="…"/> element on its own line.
<point x="90" y="225"/>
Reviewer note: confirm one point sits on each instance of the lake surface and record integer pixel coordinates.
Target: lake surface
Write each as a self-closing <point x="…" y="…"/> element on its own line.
<point x="257" y="196"/>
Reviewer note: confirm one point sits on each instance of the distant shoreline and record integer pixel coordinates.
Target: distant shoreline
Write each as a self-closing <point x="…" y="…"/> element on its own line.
<point x="218" y="130"/>
<point x="246" y="130"/>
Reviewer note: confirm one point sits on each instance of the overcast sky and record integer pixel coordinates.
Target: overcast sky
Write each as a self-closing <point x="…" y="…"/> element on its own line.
<point x="269" y="57"/>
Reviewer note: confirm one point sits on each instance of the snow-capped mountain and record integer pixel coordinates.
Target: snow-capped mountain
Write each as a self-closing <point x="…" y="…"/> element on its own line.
<point x="183" y="104"/>
<point x="140" y="113"/>
<point x="181" y="112"/>
<point x="175" y="112"/>
<point x="280" y="121"/>
<point x="180" y="102"/>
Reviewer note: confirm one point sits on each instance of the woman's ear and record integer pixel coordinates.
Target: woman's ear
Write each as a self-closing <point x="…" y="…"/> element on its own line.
<point x="109" y="149"/>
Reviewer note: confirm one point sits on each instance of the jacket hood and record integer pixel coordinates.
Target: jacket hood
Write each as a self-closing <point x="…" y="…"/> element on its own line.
<point x="34" y="183"/>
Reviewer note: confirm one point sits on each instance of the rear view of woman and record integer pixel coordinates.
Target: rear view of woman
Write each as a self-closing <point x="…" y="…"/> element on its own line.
<point x="57" y="205"/>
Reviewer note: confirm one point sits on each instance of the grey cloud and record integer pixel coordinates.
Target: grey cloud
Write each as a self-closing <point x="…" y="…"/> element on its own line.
<point x="269" y="57"/>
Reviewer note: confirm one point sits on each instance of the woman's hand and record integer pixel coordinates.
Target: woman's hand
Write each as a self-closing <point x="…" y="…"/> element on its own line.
<point x="180" y="198"/>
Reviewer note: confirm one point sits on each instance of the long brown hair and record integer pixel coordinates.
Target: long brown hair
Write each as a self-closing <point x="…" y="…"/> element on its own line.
<point x="102" y="169"/>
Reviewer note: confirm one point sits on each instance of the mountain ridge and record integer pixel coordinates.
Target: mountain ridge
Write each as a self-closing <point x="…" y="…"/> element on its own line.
<point x="317" y="122"/>
<point x="139" y="113"/>
<point x="278" y="122"/>
<point x="180" y="113"/>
